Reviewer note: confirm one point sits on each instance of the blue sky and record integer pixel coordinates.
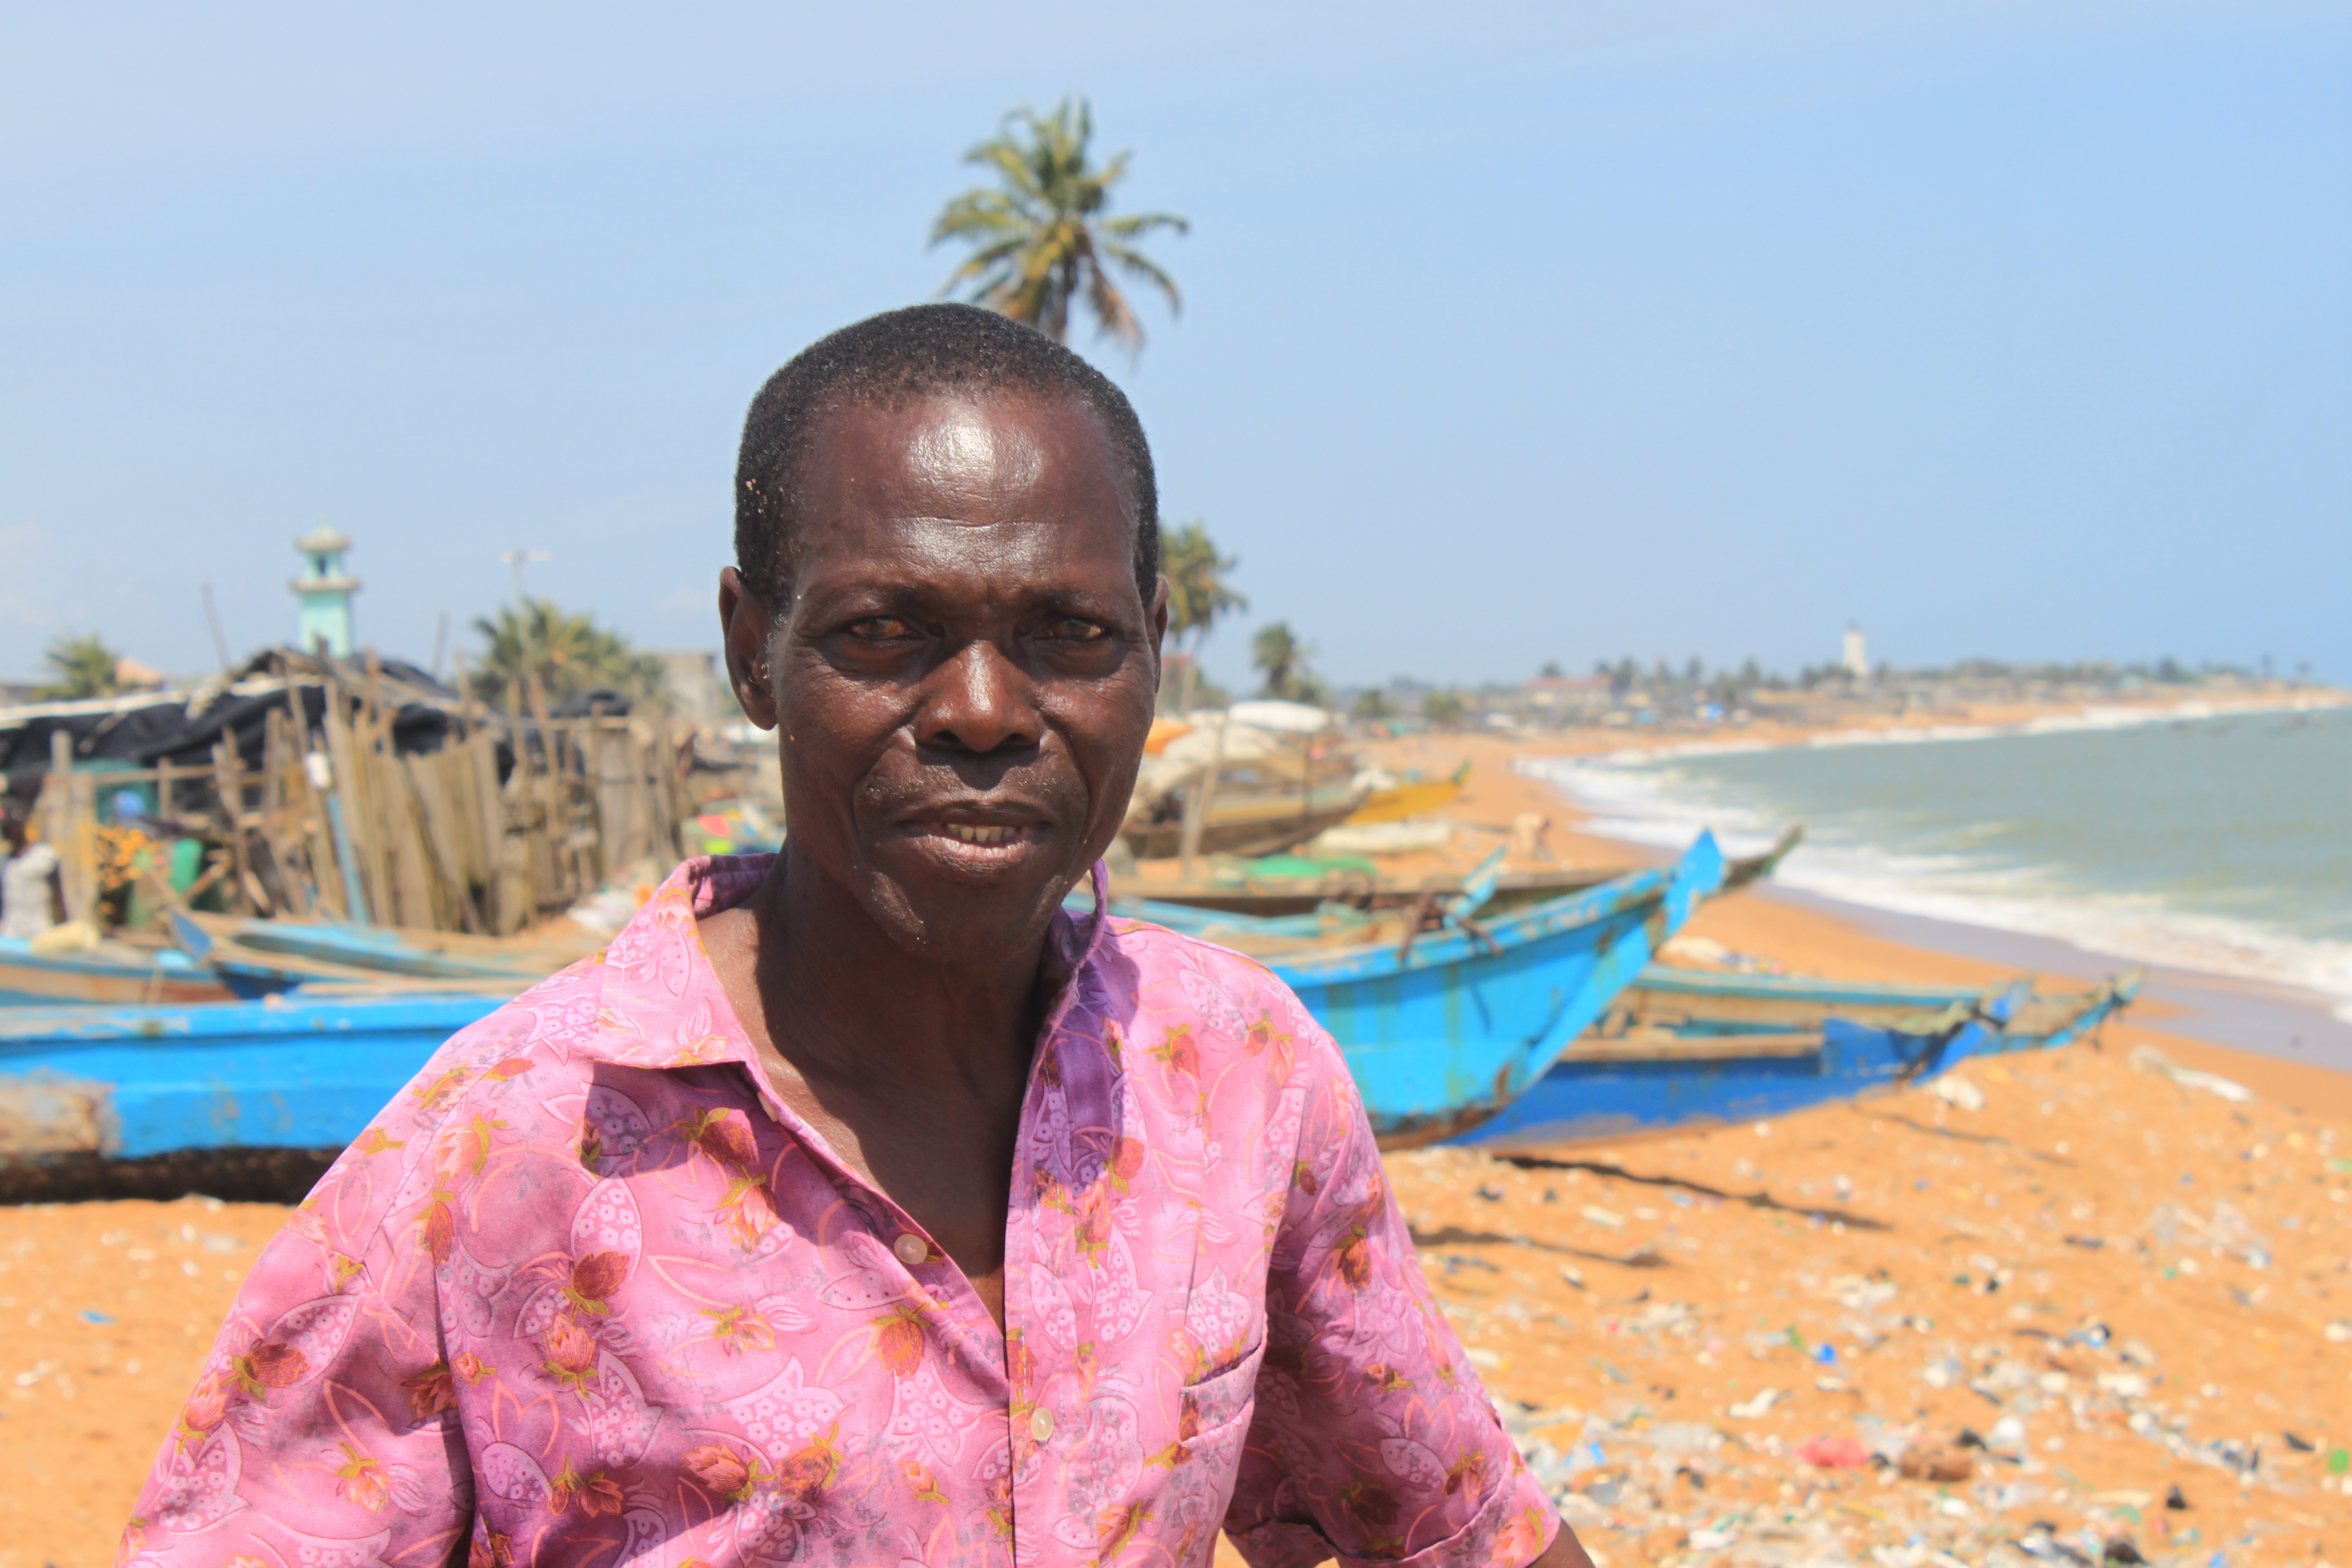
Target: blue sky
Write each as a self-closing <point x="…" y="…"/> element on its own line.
<point x="1511" y="332"/>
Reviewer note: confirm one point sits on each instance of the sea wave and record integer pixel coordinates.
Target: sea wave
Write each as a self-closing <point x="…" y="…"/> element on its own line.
<point x="2137" y="715"/>
<point x="1649" y="804"/>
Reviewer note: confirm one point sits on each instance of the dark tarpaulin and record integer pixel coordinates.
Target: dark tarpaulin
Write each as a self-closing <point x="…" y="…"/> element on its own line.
<point x="165" y="730"/>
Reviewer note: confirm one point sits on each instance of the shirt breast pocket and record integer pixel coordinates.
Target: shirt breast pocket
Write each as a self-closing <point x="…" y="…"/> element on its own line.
<point x="1214" y="1416"/>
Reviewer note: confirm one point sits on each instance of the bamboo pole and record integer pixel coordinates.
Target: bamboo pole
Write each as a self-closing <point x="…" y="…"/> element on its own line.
<point x="63" y="828"/>
<point x="363" y="874"/>
<point x="457" y="901"/>
<point x="229" y="783"/>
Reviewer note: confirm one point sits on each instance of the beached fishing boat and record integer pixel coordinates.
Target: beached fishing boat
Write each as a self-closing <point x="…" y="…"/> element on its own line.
<point x="1686" y="1048"/>
<point x="294" y="1071"/>
<point x="1275" y="906"/>
<point x="1403" y="801"/>
<point x="1444" y="1029"/>
<point x="256" y="958"/>
<point x="1253" y="779"/>
<point x="1253" y="808"/>
<point x="110" y="973"/>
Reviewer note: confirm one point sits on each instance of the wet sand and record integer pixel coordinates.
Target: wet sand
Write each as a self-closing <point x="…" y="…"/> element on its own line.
<point x="2119" y="1283"/>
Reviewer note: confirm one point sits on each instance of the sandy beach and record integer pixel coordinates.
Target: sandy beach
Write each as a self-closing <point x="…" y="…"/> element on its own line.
<point x="2014" y="1321"/>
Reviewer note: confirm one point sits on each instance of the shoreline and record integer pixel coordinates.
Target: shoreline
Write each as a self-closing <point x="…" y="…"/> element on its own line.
<point x="1981" y="723"/>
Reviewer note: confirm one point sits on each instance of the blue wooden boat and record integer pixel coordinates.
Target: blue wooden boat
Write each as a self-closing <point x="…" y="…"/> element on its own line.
<point x="1446" y="1028"/>
<point x="293" y="1071"/>
<point x="1442" y="1030"/>
<point x="1684" y="1049"/>
<point x="112" y="972"/>
<point x="257" y="958"/>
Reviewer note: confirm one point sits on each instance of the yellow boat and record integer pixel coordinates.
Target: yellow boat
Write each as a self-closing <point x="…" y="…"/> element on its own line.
<point x="1400" y="802"/>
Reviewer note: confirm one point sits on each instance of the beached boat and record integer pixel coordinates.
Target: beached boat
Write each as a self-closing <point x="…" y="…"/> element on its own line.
<point x="294" y="1071"/>
<point x="1412" y="798"/>
<point x="1444" y="1029"/>
<point x="1255" y="808"/>
<point x="1686" y="1048"/>
<point x="1275" y="906"/>
<point x="255" y="958"/>
<point x="111" y="974"/>
<point x="1253" y="779"/>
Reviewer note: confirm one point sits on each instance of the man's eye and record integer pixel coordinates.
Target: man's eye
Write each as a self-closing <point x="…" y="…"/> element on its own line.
<point x="881" y="629"/>
<point x="1070" y="629"/>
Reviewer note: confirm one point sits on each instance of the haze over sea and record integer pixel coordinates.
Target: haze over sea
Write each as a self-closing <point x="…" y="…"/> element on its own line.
<point x="2220" y="843"/>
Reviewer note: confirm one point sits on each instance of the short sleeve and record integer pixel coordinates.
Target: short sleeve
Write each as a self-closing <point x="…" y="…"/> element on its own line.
<point x="323" y="1428"/>
<point x="1371" y="1440"/>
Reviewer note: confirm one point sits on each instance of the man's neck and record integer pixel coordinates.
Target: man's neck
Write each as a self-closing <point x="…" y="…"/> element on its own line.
<point x="844" y="1005"/>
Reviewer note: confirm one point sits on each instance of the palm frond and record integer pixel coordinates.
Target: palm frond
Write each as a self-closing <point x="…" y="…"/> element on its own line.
<point x="1038" y="245"/>
<point x="1114" y="317"/>
<point x="1136" y="263"/>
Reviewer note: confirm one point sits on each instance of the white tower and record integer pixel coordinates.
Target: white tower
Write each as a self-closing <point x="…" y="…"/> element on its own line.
<point x="1857" y="654"/>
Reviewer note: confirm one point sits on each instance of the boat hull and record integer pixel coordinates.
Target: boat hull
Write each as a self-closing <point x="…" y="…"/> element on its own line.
<point x="1282" y="825"/>
<point x="1742" y="1063"/>
<point x="1443" y="1036"/>
<point x="29" y="980"/>
<point x="1402" y="803"/>
<point x="127" y="1082"/>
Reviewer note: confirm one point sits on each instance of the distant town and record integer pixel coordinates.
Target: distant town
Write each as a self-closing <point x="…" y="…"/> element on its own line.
<point x="568" y="657"/>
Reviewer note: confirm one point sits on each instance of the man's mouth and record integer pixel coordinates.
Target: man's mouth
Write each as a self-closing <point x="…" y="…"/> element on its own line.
<point x="963" y="842"/>
<point x="973" y="832"/>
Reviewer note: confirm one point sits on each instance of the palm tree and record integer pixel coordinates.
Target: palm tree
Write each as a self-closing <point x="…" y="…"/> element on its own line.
<point x="566" y="654"/>
<point x="1197" y="593"/>
<point x="1038" y="236"/>
<point x="1444" y="708"/>
<point x="1282" y="659"/>
<point x="84" y="667"/>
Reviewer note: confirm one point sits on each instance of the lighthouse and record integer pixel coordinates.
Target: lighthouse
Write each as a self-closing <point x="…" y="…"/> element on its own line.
<point x="324" y="590"/>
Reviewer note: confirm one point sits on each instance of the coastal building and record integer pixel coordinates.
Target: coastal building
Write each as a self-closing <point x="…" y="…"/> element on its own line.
<point x="1857" y="652"/>
<point x="1563" y="699"/>
<point x="324" y="592"/>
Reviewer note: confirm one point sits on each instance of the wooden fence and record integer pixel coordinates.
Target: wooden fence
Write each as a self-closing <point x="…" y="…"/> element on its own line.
<point x="335" y="824"/>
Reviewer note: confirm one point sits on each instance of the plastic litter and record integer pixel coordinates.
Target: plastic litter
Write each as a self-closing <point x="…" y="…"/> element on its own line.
<point x="1833" y="1453"/>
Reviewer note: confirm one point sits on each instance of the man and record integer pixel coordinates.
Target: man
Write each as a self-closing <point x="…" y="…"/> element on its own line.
<point x="858" y="1203"/>
<point x="28" y="879"/>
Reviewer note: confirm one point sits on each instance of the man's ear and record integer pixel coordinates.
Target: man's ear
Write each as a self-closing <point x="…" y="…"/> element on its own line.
<point x="1157" y="612"/>
<point x="744" y="626"/>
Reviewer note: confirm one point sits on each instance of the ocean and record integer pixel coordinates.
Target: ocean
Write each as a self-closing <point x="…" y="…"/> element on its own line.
<point x="2219" y="842"/>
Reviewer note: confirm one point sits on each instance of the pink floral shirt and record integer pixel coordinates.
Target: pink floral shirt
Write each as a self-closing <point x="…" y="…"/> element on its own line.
<point x="586" y="1293"/>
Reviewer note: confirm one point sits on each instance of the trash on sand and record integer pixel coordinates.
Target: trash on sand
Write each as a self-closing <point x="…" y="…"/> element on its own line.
<point x="1833" y="1453"/>
<point x="1954" y="1090"/>
<point x="1935" y="1465"/>
<point x="2147" y="1058"/>
<point x="1749" y="1409"/>
<point x="89" y="1316"/>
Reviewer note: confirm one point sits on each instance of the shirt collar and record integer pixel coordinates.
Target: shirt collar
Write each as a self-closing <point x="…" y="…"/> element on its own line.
<point x="662" y="1003"/>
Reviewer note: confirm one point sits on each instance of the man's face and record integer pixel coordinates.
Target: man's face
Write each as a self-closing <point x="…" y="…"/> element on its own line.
<point x="966" y="674"/>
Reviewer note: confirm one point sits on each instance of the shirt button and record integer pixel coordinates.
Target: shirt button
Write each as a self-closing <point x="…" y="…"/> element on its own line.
<point x="912" y="1249"/>
<point x="1041" y="1423"/>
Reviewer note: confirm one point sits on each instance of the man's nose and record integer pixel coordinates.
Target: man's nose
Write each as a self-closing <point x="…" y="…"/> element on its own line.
<point x="978" y="701"/>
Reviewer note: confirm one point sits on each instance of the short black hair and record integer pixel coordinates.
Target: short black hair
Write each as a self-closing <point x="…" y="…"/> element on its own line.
<point x="884" y="361"/>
